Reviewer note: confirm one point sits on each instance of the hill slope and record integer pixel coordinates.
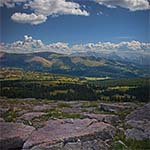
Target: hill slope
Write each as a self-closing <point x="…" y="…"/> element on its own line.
<point x="72" y="65"/>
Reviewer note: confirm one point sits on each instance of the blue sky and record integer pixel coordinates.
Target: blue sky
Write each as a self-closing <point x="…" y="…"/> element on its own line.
<point x="103" y="23"/>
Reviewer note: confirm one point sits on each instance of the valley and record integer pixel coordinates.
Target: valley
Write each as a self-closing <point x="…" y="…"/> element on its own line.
<point x="29" y="84"/>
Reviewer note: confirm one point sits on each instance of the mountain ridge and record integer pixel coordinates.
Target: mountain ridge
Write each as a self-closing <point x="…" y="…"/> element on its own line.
<point x="73" y="65"/>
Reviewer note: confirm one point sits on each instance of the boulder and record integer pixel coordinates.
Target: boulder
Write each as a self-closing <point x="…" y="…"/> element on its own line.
<point x="22" y="112"/>
<point x="31" y="115"/>
<point x="42" y="107"/>
<point x="3" y="111"/>
<point x="114" y="107"/>
<point x="61" y="134"/>
<point x="71" y="110"/>
<point x="2" y="120"/>
<point x="107" y="118"/>
<point x="89" y="109"/>
<point x="139" y="122"/>
<point x="13" y="135"/>
<point x="142" y="113"/>
<point x="96" y="144"/>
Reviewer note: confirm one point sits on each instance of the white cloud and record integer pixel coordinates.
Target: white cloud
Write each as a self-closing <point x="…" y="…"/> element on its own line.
<point x="28" y="18"/>
<point x="42" y="9"/>
<point x="56" y="7"/>
<point x="112" y="47"/>
<point x="11" y="3"/>
<point x="27" y="45"/>
<point x="30" y="45"/>
<point x="59" y="47"/>
<point x="132" y="5"/>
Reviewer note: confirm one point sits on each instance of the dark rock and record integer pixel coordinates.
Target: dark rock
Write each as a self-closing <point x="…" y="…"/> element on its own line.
<point x="115" y="107"/>
<point x="42" y="107"/>
<point x="2" y="120"/>
<point x="95" y="145"/>
<point x="89" y="109"/>
<point x="63" y="133"/>
<point x="71" y="110"/>
<point x="31" y="115"/>
<point x="22" y="112"/>
<point x="139" y="122"/>
<point x="3" y="111"/>
<point x="13" y="135"/>
<point x="137" y="134"/>
<point x="142" y="113"/>
<point x="111" y="119"/>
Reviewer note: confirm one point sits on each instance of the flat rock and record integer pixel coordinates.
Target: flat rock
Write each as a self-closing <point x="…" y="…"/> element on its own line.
<point x="139" y="120"/>
<point x="57" y="134"/>
<point x="42" y="107"/>
<point x="2" y="120"/>
<point x="111" y="119"/>
<point x="89" y="109"/>
<point x="78" y="145"/>
<point x="31" y="115"/>
<point x="20" y="113"/>
<point x="13" y="135"/>
<point x="3" y="110"/>
<point x="142" y="113"/>
<point x="71" y="110"/>
<point x="115" y="107"/>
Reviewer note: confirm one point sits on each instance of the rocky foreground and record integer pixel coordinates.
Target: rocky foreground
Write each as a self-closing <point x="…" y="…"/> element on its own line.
<point x="29" y="124"/>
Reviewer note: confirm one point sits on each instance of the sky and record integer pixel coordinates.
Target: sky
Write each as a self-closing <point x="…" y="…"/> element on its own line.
<point x="65" y="25"/>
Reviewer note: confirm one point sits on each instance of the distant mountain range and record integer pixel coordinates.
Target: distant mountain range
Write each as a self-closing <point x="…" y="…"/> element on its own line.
<point x="79" y="64"/>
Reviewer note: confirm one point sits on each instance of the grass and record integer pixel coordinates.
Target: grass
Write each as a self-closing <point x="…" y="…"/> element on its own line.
<point x="90" y="104"/>
<point x="96" y="78"/>
<point x="16" y="74"/>
<point x="63" y="105"/>
<point x="88" y="62"/>
<point x="120" y="142"/>
<point x="121" y="88"/>
<point x="55" y="113"/>
<point x="10" y="116"/>
<point x="122" y="114"/>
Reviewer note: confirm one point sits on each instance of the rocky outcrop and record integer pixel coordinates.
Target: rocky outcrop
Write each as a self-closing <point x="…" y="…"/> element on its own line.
<point x="116" y="107"/>
<point x="2" y="120"/>
<point x="43" y="107"/>
<point x="66" y="134"/>
<point x="107" y="118"/>
<point x="142" y="113"/>
<point x="31" y="115"/>
<point x="3" y="111"/>
<point x="71" y="110"/>
<point x="13" y="135"/>
<point x="139" y="122"/>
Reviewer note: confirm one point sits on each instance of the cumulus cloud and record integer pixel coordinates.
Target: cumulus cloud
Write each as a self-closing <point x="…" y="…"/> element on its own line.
<point x="27" y="45"/>
<point x="30" y="45"/>
<point x="42" y="9"/>
<point x="59" y="47"/>
<point x="135" y="46"/>
<point x="28" y="18"/>
<point x="56" y="7"/>
<point x="132" y="5"/>
<point x="11" y="3"/>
